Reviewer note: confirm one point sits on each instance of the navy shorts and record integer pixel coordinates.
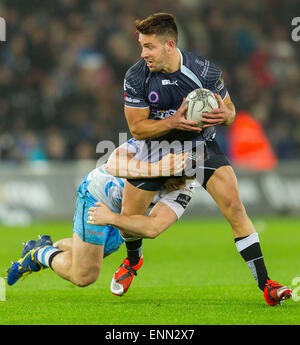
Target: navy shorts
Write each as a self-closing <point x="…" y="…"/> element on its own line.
<point x="212" y="158"/>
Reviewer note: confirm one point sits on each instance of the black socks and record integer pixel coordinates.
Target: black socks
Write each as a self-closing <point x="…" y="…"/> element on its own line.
<point x="134" y="250"/>
<point x="249" y="248"/>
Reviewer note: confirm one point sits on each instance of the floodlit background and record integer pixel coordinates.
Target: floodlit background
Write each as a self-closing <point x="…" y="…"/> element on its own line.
<point x="61" y="93"/>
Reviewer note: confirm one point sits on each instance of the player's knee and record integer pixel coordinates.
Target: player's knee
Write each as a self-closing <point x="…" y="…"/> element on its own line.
<point x="83" y="279"/>
<point x="153" y="234"/>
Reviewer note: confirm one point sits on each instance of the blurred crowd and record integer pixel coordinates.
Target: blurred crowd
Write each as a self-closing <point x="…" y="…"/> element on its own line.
<point x="63" y="63"/>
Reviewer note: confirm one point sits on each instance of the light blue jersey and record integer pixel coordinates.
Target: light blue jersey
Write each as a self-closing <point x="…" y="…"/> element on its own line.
<point x="107" y="236"/>
<point x="106" y="188"/>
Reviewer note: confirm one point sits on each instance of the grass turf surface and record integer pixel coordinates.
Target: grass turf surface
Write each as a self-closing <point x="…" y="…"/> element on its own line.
<point x="192" y="275"/>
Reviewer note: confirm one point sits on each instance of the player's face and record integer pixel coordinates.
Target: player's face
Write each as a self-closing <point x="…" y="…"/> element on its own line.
<point x="154" y="52"/>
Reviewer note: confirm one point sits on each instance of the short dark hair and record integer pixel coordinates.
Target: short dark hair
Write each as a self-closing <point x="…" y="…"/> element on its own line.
<point x="159" y="24"/>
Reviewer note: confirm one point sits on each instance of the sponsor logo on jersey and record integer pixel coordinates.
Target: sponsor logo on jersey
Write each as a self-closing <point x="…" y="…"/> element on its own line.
<point x="127" y="86"/>
<point x="153" y="97"/>
<point x="169" y="82"/>
<point x="220" y="84"/>
<point x="163" y="114"/>
<point x="130" y="99"/>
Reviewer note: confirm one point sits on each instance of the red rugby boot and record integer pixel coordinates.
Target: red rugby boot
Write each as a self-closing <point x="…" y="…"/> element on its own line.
<point x="275" y="293"/>
<point x="123" y="277"/>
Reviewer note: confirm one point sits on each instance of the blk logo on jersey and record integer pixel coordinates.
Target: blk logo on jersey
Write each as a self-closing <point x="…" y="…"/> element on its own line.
<point x="169" y="82"/>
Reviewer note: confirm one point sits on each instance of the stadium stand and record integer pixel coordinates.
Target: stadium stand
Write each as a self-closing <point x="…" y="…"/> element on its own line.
<point x="63" y="63"/>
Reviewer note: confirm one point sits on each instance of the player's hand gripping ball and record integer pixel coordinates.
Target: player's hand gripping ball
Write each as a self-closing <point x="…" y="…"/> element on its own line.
<point x="200" y="101"/>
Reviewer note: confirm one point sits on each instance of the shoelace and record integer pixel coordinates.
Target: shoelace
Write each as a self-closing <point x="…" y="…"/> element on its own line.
<point x="272" y="283"/>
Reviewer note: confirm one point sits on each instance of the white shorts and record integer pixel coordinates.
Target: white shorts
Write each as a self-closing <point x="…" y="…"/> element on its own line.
<point x="177" y="200"/>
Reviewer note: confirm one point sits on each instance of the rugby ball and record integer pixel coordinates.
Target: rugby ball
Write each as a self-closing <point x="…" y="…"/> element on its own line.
<point x="200" y="101"/>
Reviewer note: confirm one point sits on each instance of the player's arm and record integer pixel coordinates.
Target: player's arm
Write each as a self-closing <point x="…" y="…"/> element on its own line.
<point x="137" y="109"/>
<point x="122" y="163"/>
<point x="160" y="219"/>
<point x="224" y="115"/>
<point x="143" y="128"/>
<point x="230" y="110"/>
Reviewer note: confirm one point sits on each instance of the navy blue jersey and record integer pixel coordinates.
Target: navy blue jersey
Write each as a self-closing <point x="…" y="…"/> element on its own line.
<point x="163" y="93"/>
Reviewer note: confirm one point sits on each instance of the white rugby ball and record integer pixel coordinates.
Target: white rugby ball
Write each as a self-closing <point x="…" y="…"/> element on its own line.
<point x="200" y="101"/>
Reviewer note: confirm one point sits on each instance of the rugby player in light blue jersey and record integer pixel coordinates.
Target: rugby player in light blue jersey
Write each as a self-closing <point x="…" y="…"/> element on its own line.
<point x="79" y="259"/>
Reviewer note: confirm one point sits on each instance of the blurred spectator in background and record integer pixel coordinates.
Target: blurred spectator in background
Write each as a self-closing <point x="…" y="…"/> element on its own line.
<point x="63" y="63"/>
<point x="247" y="144"/>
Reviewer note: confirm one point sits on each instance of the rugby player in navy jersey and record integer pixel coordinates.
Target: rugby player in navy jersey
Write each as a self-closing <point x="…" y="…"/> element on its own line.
<point x="155" y="88"/>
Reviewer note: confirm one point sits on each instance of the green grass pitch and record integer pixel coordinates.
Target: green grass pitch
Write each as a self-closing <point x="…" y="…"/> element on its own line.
<point x="192" y="275"/>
